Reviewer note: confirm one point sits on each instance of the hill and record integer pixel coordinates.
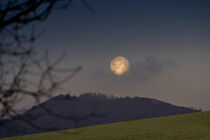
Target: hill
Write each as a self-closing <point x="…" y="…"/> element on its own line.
<point x="65" y="112"/>
<point x="194" y="126"/>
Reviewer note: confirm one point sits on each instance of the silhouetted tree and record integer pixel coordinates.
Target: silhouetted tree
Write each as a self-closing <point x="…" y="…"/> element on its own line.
<point x="22" y="70"/>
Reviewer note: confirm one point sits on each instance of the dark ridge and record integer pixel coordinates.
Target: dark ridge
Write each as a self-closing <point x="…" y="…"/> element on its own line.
<point x="86" y="110"/>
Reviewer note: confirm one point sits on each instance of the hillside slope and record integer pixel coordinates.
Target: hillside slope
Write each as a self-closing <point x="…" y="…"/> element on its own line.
<point x="194" y="126"/>
<point x="88" y="109"/>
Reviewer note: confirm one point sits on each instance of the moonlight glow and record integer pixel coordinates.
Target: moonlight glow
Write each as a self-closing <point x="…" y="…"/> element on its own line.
<point x="119" y="65"/>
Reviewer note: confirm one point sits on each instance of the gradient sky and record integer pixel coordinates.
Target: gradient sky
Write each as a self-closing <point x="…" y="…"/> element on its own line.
<point x="166" y="41"/>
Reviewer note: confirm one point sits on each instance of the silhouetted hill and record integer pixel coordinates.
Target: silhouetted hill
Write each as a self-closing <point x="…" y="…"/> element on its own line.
<point x="65" y="111"/>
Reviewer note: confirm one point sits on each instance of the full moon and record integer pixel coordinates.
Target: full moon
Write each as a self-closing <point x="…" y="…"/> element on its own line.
<point x="119" y="65"/>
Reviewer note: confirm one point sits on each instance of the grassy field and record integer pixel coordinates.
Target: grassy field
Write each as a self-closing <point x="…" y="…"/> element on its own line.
<point x="195" y="126"/>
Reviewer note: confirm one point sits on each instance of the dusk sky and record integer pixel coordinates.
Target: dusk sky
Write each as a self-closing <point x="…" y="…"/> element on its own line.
<point x="167" y="43"/>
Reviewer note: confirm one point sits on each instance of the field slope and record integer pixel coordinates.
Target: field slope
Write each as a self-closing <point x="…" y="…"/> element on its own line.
<point x="194" y="126"/>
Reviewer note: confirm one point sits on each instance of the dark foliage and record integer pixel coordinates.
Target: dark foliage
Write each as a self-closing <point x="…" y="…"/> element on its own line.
<point x="23" y="71"/>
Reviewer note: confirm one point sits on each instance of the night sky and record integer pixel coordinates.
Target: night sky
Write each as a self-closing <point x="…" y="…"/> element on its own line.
<point x="167" y="43"/>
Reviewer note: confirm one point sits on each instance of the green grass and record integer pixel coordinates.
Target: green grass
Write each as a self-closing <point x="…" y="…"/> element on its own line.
<point x="195" y="126"/>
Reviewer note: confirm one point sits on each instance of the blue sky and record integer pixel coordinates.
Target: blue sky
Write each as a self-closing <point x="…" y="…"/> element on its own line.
<point x="170" y="36"/>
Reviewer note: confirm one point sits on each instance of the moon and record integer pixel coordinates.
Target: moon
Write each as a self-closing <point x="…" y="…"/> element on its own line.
<point x="119" y="65"/>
